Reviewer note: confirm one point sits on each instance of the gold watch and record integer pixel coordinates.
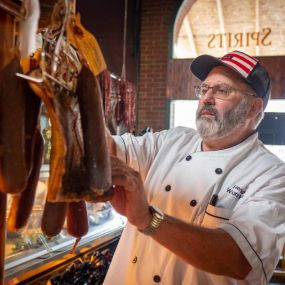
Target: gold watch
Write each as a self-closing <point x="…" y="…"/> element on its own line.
<point x="157" y="217"/>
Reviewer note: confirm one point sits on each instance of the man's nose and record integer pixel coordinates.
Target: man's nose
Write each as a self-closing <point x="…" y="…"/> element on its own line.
<point x="208" y="97"/>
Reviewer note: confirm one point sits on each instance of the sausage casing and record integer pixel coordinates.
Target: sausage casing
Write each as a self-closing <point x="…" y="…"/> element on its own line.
<point x="77" y="219"/>
<point x="22" y="204"/>
<point x="96" y="154"/>
<point x="13" y="173"/>
<point x="53" y="218"/>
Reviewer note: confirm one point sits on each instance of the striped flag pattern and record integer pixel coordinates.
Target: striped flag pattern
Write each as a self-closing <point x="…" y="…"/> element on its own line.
<point x="240" y="62"/>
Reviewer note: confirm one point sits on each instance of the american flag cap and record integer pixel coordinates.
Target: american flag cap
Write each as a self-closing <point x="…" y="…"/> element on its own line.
<point x="246" y="66"/>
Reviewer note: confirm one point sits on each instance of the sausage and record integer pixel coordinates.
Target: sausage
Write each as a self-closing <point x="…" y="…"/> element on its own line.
<point x="32" y="114"/>
<point x="3" y="203"/>
<point x="53" y="218"/>
<point x="22" y="204"/>
<point x="13" y="173"/>
<point x="96" y="153"/>
<point x="77" y="219"/>
<point x="59" y="149"/>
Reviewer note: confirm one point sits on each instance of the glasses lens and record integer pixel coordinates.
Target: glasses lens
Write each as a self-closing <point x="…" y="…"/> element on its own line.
<point x="201" y="90"/>
<point x="220" y="91"/>
<point x="198" y="91"/>
<point x="204" y="89"/>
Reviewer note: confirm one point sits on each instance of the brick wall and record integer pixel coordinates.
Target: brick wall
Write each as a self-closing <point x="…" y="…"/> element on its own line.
<point x="157" y="18"/>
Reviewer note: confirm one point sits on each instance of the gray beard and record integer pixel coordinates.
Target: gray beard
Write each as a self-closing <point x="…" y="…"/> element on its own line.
<point x="221" y="125"/>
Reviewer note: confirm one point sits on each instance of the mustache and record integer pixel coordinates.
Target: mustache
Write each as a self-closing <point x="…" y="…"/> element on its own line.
<point x="208" y="108"/>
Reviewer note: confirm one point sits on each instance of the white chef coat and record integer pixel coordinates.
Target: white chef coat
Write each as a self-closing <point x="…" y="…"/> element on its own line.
<point x="180" y="179"/>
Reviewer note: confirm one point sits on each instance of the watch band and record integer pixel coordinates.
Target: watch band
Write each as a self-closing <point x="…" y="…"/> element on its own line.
<point x="157" y="217"/>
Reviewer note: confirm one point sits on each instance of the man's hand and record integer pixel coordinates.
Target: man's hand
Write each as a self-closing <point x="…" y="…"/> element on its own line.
<point x="129" y="198"/>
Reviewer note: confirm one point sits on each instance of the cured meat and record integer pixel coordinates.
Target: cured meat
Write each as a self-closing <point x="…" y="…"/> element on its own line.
<point x="119" y="97"/>
<point x="53" y="218"/>
<point x="13" y="173"/>
<point x="32" y="135"/>
<point x="3" y="203"/>
<point x="58" y="151"/>
<point x="79" y="163"/>
<point x="130" y="103"/>
<point x="67" y="181"/>
<point x="96" y="153"/>
<point x="77" y="219"/>
<point x="109" y="100"/>
<point x="120" y="106"/>
<point x="22" y="204"/>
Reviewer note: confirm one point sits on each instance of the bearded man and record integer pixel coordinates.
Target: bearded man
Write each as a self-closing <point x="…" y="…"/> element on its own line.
<point x="206" y="206"/>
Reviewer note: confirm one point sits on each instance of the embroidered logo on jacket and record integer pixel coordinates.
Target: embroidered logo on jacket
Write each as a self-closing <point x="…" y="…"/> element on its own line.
<point x="236" y="191"/>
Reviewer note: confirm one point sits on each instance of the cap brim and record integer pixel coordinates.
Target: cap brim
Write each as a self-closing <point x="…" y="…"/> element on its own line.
<point x="259" y="79"/>
<point x="203" y="64"/>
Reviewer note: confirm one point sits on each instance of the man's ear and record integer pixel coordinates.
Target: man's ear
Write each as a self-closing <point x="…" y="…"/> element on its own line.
<point x="256" y="107"/>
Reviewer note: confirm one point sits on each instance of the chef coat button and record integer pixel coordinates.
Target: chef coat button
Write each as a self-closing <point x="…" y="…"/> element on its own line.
<point x="188" y="157"/>
<point x="156" y="278"/>
<point x="193" y="203"/>
<point x="219" y="171"/>
<point x="167" y="188"/>
<point x="135" y="259"/>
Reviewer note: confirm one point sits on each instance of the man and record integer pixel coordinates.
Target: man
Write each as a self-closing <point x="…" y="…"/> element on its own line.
<point x="203" y="207"/>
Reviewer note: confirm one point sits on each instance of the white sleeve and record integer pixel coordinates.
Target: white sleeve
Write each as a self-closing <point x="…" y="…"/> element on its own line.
<point x="139" y="151"/>
<point x="258" y="226"/>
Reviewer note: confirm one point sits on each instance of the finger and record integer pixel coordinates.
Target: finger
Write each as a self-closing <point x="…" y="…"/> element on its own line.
<point x="118" y="165"/>
<point x="116" y="161"/>
<point x="128" y="172"/>
<point x="127" y="182"/>
<point x="122" y="168"/>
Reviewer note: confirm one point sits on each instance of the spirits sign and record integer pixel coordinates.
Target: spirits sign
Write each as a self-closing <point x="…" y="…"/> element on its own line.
<point x="217" y="27"/>
<point x="240" y="39"/>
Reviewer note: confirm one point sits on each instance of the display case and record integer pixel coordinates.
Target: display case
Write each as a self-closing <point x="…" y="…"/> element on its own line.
<point x="33" y="258"/>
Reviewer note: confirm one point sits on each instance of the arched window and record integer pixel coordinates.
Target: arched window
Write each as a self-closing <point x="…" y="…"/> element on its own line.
<point x="216" y="27"/>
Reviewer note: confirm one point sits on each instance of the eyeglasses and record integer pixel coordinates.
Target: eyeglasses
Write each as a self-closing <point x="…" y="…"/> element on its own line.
<point x="220" y="91"/>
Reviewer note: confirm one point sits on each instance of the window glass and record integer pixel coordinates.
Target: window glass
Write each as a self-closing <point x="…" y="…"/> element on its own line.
<point x="217" y="27"/>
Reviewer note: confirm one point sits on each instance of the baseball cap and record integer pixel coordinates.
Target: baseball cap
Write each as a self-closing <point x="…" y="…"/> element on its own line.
<point x="246" y="66"/>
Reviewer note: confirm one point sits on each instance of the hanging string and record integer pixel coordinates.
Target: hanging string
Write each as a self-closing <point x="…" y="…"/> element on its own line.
<point x="72" y="7"/>
<point x="123" y="75"/>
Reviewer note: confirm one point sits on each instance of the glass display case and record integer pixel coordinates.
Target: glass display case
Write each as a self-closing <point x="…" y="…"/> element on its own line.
<point x="29" y="254"/>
